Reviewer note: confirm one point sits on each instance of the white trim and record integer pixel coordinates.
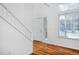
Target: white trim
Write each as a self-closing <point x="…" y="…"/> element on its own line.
<point x="69" y="11"/>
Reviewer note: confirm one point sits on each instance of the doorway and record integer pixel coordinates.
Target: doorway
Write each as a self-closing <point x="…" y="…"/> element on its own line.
<point x="40" y="28"/>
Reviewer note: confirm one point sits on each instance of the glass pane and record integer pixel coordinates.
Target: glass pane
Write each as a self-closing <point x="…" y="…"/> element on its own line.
<point x="69" y="25"/>
<point x="45" y="27"/>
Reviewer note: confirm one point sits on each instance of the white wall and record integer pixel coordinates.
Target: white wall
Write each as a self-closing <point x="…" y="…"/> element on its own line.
<point x="39" y="12"/>
<point x="11" y="41"/>
<point x="52" y="16"/>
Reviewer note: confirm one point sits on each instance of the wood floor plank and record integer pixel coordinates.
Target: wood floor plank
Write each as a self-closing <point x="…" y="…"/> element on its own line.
<point x="42" y="48"/>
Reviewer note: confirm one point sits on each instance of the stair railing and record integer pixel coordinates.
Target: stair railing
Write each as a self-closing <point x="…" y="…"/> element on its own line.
<point x="13" y="21"/>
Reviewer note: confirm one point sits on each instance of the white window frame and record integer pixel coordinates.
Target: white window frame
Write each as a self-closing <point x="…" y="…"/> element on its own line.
<point x="69" y="11"/>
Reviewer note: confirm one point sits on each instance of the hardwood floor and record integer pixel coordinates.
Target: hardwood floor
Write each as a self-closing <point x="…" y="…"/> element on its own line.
<point x="41" y="48"/>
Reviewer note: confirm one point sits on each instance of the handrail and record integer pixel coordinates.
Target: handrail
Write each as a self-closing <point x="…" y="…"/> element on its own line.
<point x="14" y="27"/>
<point x="15" y="17"/>
<point x="8" y="21"/>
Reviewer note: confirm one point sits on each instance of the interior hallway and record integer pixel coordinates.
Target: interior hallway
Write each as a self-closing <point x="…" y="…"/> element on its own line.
<point x="21" y="23"/>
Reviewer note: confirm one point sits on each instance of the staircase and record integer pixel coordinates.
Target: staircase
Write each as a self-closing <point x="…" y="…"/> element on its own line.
<point x="7" y="16"/>
<point x="10" y="30"/>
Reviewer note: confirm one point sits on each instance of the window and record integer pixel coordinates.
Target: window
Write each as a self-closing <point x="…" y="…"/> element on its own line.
<point x="69" y="23"/>
<point x="45" y="27"/>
